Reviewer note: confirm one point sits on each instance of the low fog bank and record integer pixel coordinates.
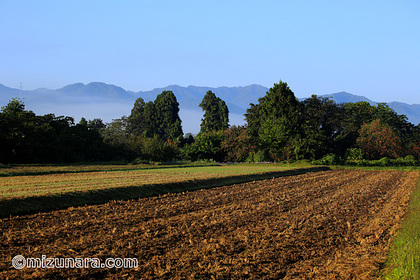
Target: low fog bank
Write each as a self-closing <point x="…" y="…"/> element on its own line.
<point x="191" y="120"/>
<point x="107" y="111"/>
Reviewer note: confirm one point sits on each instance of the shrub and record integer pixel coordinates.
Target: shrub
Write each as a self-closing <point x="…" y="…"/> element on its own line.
<point x="379" y="140"/>
<point x="406" y="161"/>
<point x="207" y="145"/>
<point x="415" y="150"/>
<point x="354" y="154"/>
<point x="258" y="156"/>
<point x="156" y="149"/>
<point x="383" y="162"/>
<point x="237" y="144"/>
<point x="330" y="159"/>
<point x="411" y="160"/>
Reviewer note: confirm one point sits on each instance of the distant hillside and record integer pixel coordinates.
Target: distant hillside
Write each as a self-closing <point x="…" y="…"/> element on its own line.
<point x="345" y="97"/>
<point x="96" y="89"/>
<point x="236" y="98"/>
<point x="412" y="112"/>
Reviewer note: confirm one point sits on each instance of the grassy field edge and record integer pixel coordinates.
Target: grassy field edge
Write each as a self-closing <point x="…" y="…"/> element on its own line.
<point x="68" y="169"/>
<point x="35" y="204"/>
<point x="404" y="257"/>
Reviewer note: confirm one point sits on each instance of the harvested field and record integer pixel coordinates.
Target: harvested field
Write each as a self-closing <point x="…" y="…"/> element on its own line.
<point x="79" y="178"/>
<point x="324" y="225"/>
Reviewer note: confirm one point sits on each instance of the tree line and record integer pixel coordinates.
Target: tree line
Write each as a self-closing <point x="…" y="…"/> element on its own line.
<point x="278" y="128"/>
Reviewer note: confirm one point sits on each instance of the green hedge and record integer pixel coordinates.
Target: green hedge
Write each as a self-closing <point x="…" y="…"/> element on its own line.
<point x="332" y="159"/>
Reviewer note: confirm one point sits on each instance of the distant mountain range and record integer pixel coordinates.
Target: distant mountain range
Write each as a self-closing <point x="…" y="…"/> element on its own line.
<point x="411" y="111"/>
<point x="100" y="100"/>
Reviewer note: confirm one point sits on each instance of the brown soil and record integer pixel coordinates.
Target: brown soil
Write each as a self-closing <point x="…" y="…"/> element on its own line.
<point x="325" y="225"/>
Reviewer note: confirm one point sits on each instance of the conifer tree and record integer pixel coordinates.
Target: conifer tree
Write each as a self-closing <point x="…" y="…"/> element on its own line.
<point x="216" y="113"/>
<point x="167" y="120"/>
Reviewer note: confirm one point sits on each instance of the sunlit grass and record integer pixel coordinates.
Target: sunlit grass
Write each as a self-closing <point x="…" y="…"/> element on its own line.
<point x="26" y="194"/>
<point x="404" y="258"/>
<point x="376" y="168"/>
<point x="114" y="177"/>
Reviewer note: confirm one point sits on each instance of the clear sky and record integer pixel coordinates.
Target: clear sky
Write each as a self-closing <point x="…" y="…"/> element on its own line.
<point x="369" y="48"/>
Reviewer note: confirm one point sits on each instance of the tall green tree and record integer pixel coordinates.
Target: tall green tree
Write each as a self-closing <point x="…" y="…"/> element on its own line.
<point x="149" y="116"/>
<point x="354" y="116"/>
<point x="25" y="137"/>
<point x="167" y="120"/>
<point x="276" y="122"/>
<point x="136" y="120"/>
<point x="253" y="119"/>
<point x="216" y="113"/>
<point x="399" y="123"/>
<point x="321" y="124"/>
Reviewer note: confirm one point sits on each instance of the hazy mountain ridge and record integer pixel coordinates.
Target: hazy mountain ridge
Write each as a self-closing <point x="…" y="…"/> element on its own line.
<point x="100" y="100"/>
<point x="237" y="98"/>
<point x="411" y="111"/>
<point x="345" y="97"/>
<point x="97" y="89"/>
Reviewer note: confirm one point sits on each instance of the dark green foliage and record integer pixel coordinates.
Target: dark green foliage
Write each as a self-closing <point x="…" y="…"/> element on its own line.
<point x="360" y="113"/>
<point x="274" y="123"/>
<point x="279" y="127"/>
<point x="152" y="132"/>
<point x="28" y="138"/>
<point x="252" y="117"/>
<point x="96" y="124"/>
<point x="237" y="144"/>
<point x="330" y="159"/>
<point x="16" y="124"/>
<point x="258" y="156"/>
<point x="136" y="121"/>
<point x="354" y="154"/>
<point x="149" y="116"/>
<point x="167" y="121"/>
<point x="414" y="144"/>
<point x="385" y="161"/>
<point x="188" y="139"/>
<point x="156" y="149"/>
<point x="83" y="122"/>
<point x="321" y="125"/>
<point x="388" y="116"/>
<point x="207" y="145"/>
<point x="160" y="117"/>
<point x="285" y="128"/>
<point x="216" y="113"/>
<point x="354" y="116"/>
<point x="407" y="161"/>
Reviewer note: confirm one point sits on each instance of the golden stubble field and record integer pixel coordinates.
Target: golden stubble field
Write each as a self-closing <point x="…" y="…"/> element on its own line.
<point x="20" y="182"/>
<point x="325" y="225"/>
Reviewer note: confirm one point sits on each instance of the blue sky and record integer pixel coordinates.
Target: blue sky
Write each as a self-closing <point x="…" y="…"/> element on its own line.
<point x="369" y="48"/>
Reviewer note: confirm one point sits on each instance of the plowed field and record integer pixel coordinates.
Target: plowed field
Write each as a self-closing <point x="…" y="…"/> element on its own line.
<point x="325" y="225"/>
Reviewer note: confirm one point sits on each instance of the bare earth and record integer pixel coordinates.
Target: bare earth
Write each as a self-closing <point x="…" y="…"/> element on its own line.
<point x="326" y="225"/>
